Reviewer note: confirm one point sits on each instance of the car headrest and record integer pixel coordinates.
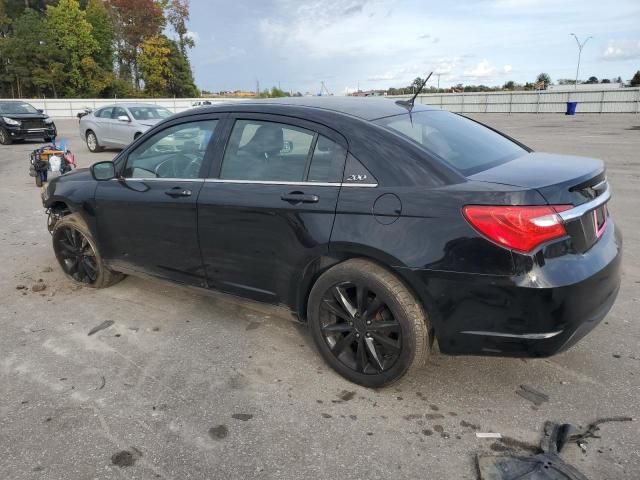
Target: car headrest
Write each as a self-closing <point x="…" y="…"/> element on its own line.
<point x="268" y="139"/>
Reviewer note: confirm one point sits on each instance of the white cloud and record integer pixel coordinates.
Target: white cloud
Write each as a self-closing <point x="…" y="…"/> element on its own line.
<point x="622" y="50"/>
<point x="507" y="69"/>
<point x="481" y="70"/>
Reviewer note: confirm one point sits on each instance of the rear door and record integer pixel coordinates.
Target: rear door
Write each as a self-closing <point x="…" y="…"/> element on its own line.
<point x="147" y="219"/>
<point x="103" y="122"/>
<point x="268" y="207"/>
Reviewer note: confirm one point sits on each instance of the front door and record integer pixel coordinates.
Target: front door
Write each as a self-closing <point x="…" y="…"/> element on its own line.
<point x="268" y="209"/>
<point x="147" y="218"/>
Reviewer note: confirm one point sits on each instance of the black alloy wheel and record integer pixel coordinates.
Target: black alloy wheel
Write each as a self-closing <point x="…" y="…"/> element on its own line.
<point x="360" y="329"/>
<point x="366" y="323"/>
<point x="76" y="255"/>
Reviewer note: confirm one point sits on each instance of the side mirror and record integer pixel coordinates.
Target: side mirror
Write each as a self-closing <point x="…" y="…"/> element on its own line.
<point x="103" y="170"/>
<point x="123" y="118"/>
<point x="40" y="110"/>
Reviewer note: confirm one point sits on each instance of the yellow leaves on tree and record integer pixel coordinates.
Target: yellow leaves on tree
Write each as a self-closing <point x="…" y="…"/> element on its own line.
<point x="154" y="64"/>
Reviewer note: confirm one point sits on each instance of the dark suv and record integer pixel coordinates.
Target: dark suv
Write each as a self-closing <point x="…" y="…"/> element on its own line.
<point x="383" y="226"/>
<point x="21" y="121"/>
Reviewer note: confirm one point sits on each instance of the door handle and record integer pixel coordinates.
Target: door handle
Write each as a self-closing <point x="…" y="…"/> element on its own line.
<point x="178" y="192"/>
<point x="299" y="197"/>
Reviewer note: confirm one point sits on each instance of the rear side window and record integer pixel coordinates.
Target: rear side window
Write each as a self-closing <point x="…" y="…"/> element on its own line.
<point x="270" y="151"/>
<point x="105" y="112"/>
<point x="465" y="145"/>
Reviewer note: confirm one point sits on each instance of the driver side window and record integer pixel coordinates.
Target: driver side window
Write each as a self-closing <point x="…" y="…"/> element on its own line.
<point x="175" y="152"/>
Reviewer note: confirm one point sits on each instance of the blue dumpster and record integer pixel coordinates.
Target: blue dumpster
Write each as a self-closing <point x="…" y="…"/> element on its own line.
<point x="571" y="108"/>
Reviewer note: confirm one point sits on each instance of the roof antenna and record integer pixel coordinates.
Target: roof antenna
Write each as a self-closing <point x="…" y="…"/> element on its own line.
<point x="408" y="104"/>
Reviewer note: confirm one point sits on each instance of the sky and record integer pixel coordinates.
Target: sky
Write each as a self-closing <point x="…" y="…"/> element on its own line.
<point x="371" y="44"/>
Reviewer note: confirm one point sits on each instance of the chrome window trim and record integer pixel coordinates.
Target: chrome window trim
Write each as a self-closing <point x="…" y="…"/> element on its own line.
<point x="580" y="210"/>
<point x="250" y="182"/>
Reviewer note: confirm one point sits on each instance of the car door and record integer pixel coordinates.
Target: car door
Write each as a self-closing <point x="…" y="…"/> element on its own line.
<point x="267" y="209"/>
<point x="103" y="126"/>
<point x="121" y="131"/>
<point x="146" y="218"/>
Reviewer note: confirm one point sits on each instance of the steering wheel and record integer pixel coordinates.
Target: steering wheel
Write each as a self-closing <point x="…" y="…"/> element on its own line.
<point x="178" y="166"/>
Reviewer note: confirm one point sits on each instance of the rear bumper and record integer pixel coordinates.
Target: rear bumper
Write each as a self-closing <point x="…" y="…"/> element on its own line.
<point x="537" y="314"/>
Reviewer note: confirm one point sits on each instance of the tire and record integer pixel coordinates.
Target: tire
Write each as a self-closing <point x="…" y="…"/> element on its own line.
<point x="92" y="142"/>
<point x="381" y="335"/>
<point x="38" y="179"/>
<point x="78" y="255"/>
<point x="5" y="138"/>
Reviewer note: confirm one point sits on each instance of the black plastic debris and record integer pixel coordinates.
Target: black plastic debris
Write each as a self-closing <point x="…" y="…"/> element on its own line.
<point x="546" y="464"/>
<point x="102" y="326"/>
<point x="533" y="395"/>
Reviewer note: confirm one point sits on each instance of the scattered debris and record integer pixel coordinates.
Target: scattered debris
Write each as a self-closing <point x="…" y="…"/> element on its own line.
<point x="155" y="329"/>
<point x="104" y="382"/>
<point x="21" y="287"/>
<point x="579" y="437"/>
<point x="345" y="395"/>
<point x="533" y="395"/>
<point x="252" y="326"/>
<point x="218" y="432"/>
<point x="102" y="326"/>
<point x="38" y="287"/>
<point x="242" y="416"/>
<point x="488" y="435"/>
<point x="47" y="270"/>
<point x="36" y="330"/>
<point x="126" y="458"/>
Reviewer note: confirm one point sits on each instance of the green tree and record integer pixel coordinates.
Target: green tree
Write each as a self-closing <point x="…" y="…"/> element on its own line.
<point x="510" y="85"/>
<point x="635" y="80"/>
<point x="180" y="82"/>
<point x="592" y="80"/>
<point x="177" y="13"/>
<point x="543" y="79"/>
<point x="71" y="33"/>
<point x="154" y="65"/>
<point x="102" y="31"/>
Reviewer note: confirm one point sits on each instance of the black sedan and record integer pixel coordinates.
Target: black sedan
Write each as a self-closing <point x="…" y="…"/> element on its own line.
<point x="383" y="226"/>
<point x="22" y="121"/>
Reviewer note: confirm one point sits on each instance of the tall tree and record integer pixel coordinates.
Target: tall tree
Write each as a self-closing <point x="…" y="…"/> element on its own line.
<point x="71" y="33"/>
<point x="635" y="80"/>
<point x="154" y="65"/>
<point x="102" y="31"/>
<point x="543" y="79"/>
<point x="180" y="82"/>
<point x="177" y="13"/>
<point x="134" y="22"/>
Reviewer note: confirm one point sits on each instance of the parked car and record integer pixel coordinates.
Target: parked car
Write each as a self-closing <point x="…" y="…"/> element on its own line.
<point x="116" y="126"/>
<point x="383" y="227"/>
<point x="22" y="121"/>
<point x="201" y="103"/>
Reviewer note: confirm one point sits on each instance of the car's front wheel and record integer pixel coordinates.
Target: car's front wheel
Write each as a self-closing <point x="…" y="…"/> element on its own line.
<point x="366" y="324"/>
<point x="5" y="139"/>
<point x="92" y="142"/>
<point x="78" y="255"/>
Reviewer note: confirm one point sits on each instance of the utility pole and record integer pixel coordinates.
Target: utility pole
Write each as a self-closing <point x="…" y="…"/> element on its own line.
<point x="580" y="47"/>
<point x="257" y="88"/>
<point x="438" y="75"/>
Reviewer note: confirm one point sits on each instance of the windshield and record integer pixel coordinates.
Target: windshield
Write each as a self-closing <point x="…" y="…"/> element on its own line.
<point x="462" y="143"/>
<point x="149" y="113"/>
<point x="16" y="107"/>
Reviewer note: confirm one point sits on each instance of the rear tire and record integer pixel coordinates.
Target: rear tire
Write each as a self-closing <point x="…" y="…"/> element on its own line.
<point x="92" y="142"/>
<point x="366" y="324"/>
<point x="5" y="138"/>
<point x="38" y="179"/>
<point x="78" y="255"/>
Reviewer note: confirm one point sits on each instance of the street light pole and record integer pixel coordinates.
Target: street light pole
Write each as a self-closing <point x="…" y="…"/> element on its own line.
<point x="580" y="47"/>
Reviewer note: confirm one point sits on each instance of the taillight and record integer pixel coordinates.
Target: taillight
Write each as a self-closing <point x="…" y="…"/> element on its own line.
<point x="519" y="228"/>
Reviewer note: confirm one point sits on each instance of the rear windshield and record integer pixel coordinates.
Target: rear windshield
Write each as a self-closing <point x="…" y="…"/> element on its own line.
<point x="149" y="113"/>
<point x="465" y="145"/>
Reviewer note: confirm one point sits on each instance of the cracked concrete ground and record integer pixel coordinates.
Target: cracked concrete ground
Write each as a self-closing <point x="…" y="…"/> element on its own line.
<point x="184" y="386"/>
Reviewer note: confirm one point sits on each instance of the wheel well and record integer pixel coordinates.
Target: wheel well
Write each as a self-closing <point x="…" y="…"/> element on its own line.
<point x="308" y="283"/>
<point x="60" y="208"/>
<point x="86" y="133"/>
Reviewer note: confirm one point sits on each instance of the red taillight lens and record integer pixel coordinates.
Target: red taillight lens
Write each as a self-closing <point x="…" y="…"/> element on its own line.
<point x="517" y="227"/>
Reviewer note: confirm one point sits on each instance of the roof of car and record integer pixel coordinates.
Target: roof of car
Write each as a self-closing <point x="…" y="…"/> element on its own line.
<point x="367" y="108"/>
<point x="130" y="104"/>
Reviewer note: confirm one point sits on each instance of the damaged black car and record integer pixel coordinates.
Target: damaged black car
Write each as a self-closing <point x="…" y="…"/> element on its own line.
<point x="22" y="121"/>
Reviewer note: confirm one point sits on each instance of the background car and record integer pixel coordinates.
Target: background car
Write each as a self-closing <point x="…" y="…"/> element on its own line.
<point x="384" y="226"/>
<point x="116" y="126"/>
<point x="22" y="121"/>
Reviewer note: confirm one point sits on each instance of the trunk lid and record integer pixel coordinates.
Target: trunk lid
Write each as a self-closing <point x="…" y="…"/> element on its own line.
<point x="561" y="180"/>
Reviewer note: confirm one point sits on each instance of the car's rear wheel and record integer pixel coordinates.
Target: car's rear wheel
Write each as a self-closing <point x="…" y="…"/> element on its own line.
<point x="92" y="142"/>
<point x="366" y="324"/>
<point x="78" y="255"/>
<point x="5" y="138"/>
